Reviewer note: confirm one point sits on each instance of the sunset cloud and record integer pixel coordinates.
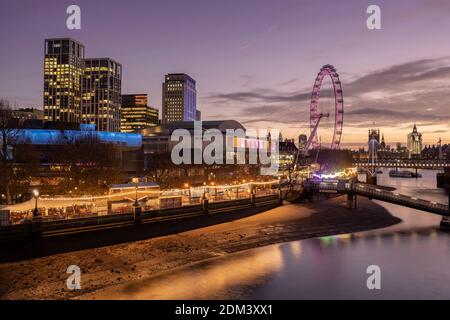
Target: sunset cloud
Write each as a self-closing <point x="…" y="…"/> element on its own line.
<point x="416" y="91"/>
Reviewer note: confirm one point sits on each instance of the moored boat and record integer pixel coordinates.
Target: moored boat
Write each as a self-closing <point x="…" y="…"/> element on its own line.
<point x="445" y="223"/>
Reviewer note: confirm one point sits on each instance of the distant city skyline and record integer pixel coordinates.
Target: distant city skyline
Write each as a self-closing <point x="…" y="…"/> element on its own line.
<point x="255" y="66"/>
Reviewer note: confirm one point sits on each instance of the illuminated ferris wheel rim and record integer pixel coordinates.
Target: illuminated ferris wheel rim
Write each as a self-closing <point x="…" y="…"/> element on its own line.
<point x="315" y="115"/>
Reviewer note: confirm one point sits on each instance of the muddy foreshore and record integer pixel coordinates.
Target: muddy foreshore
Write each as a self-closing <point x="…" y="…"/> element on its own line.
<point x="45" y="278"/>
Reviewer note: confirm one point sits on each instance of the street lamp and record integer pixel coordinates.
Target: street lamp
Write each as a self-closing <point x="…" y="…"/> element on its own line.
<point x="36" y="211"/>
<point x="136" y="204"/>
<point x="204" y="189"/>
<point x="215" y="190"/>
<point x="136" y="184"/>
<point x="187" y="186"/>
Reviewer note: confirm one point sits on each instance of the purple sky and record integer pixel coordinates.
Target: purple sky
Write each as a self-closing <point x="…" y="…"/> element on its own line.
<point x="255" y="60"/>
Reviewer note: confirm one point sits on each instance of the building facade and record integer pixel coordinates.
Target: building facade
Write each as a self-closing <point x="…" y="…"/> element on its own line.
<point x="28" y="114"/>
<point x="63" y="68"/>
<point x="158" y="147"/>
<point x="136" y="114"/>
<point x="50" y="139"/>
<point x="287" y="154"/>
<point x="415" y="143"/>
<point x="302" y="141"/>
<point x="80" y="90"/>
<point x="179" y="98"/>
<point x="158" y="139"/>
<point x="101" y="93"/>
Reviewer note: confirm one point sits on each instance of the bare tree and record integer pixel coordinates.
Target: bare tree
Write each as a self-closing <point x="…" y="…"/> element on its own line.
<point x="90" y="163"/>
<point x="159" y="167"/>
<point x="17" y="157"/>
<point x="8" y="136"/>
<point x="8" y="132"/>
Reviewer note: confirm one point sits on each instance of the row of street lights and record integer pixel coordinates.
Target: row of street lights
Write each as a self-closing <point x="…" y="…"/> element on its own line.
<point x="136" y="200"/>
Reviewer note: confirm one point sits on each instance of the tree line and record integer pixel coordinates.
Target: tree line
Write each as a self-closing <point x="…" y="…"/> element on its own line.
<point x="73" y="164"/>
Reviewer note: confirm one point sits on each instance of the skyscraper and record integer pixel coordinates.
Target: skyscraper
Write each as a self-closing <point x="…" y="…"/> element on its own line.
<point x="102" y="93"/>
<point x="179" y="98"/>
<point x="414" y="143"/>
<point x="63" y="67"/>
<point x="136" y="113"/>
<point x="81" y="90"/>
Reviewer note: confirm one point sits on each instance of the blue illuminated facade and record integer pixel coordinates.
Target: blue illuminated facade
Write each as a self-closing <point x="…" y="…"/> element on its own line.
<point x="57" y="137"/>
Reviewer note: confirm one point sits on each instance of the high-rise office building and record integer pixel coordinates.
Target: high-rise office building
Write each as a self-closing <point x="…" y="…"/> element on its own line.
<point x="179" y="98"/>
<point x="136" y="113"/>
<point x="102" y="93"/>
<point x="63" y="67"/>
<point x="80" y="90"/>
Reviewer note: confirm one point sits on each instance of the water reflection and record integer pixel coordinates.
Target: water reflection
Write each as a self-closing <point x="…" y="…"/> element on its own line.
<point x="414" y="265"/>
<point x="414" y="257"/>
<point x="211" y="279"/>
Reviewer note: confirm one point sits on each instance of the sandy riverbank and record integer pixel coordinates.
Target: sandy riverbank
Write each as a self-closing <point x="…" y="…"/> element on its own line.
<point x="45" y="278"/>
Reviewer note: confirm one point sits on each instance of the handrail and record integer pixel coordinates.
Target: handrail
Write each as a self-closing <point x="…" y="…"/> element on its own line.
<point x="385" y="195"/>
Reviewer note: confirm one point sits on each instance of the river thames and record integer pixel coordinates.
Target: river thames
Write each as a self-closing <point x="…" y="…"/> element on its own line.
<point x="414" y="258"/>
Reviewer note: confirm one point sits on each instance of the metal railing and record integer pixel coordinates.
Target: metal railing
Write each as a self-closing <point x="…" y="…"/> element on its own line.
<point x="378" y="193"/>
<point x="64" y="227"/>
<point x="165" y="199"/>
<point x="400" y="199"/>
<point x="404" y="163"/>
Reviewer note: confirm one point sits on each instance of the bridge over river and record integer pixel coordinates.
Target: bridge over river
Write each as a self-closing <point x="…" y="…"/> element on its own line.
<point x="402" y="163"/>
<point x="352" y="189"/>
